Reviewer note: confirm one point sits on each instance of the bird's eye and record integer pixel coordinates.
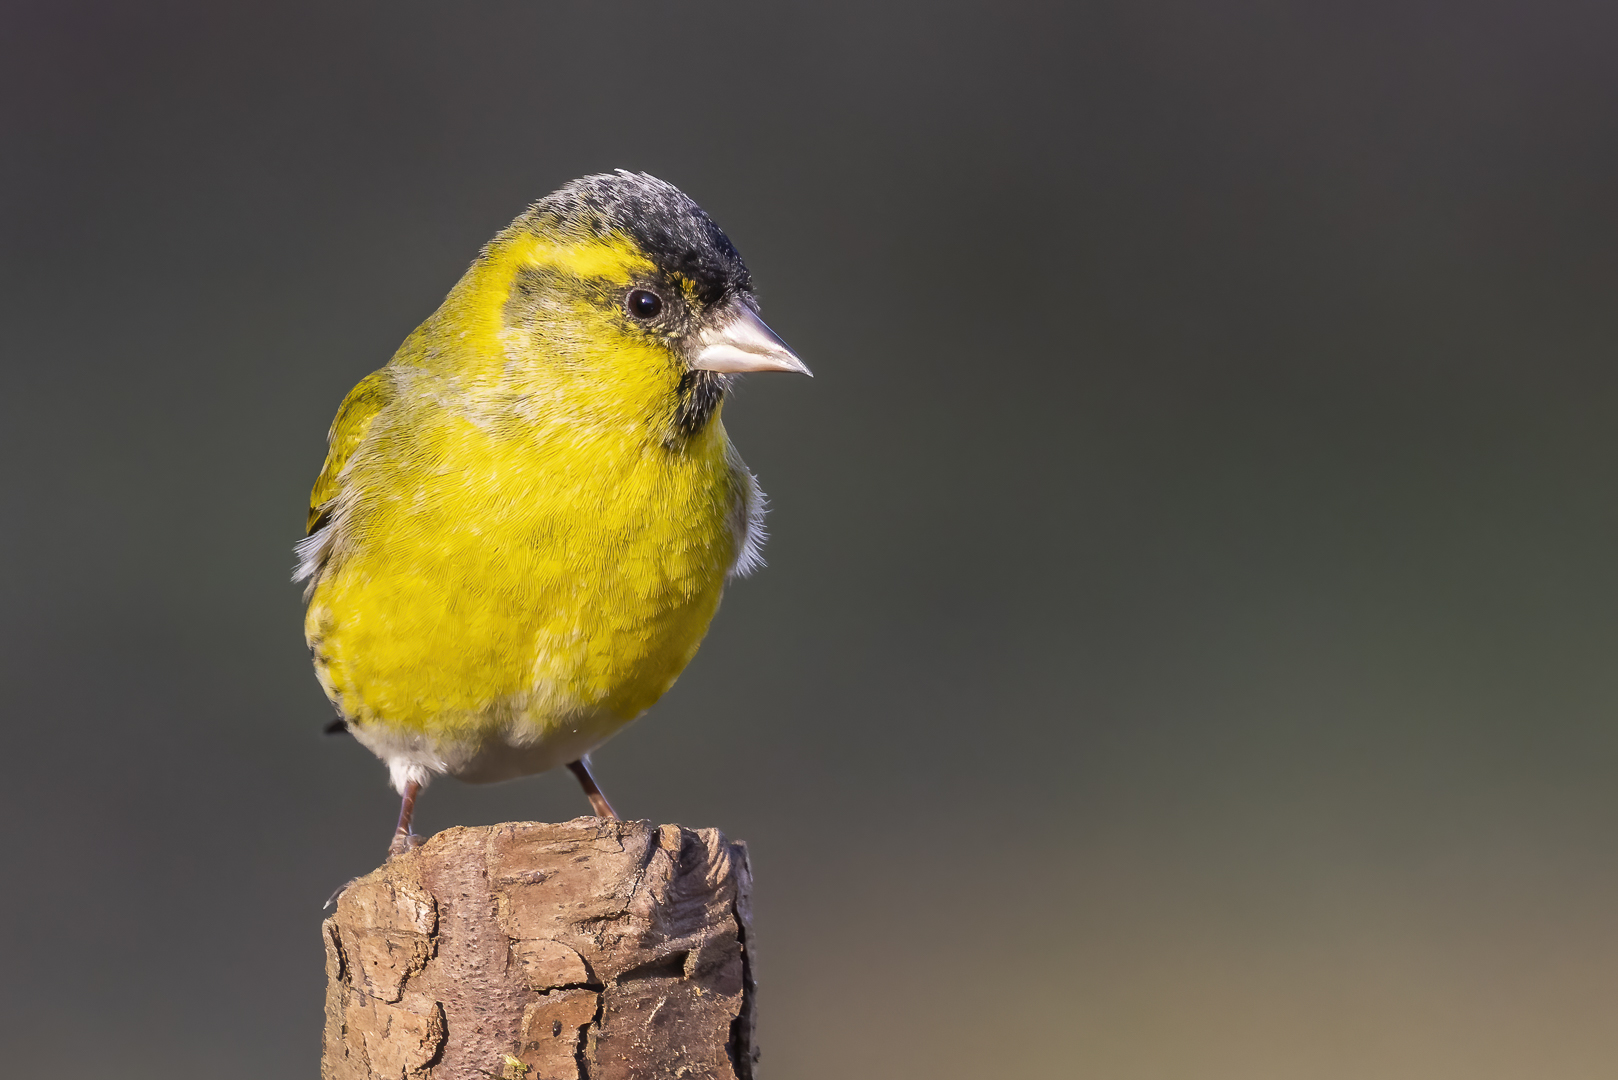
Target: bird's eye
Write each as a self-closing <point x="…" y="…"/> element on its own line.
<point x="644" y="304"/>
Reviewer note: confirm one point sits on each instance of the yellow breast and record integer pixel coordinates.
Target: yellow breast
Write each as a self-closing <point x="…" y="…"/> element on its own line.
<point x="495" y="586"/>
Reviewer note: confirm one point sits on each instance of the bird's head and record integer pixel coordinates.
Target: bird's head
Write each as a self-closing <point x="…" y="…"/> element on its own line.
<point x="622" y="282"/>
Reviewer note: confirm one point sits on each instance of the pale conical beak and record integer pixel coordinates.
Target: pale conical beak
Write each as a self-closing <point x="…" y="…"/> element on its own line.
<point x="743" y="343"/>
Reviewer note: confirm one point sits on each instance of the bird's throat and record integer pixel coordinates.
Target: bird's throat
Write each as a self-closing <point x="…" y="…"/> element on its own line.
<point x="700" y="394"/>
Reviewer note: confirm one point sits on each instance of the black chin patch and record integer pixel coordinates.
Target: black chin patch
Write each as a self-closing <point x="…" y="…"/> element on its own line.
<point x="700" y="393"/>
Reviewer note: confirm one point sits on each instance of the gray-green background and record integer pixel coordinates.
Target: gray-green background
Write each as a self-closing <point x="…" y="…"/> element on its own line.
<point x="1187" y="649"/>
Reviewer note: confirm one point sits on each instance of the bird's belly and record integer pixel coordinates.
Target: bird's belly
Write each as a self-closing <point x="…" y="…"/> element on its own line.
<point x="485" y="655"/>
<point x="484" y="753"/>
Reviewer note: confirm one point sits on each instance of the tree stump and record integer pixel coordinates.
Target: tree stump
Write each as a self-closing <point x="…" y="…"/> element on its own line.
<point x="586" y="950"/>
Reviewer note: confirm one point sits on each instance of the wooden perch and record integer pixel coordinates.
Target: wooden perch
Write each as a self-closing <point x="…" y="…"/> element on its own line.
<point x="586" y="950"/>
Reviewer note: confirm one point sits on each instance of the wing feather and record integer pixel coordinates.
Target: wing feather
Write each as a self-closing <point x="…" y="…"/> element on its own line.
<point x="348" y="431"/>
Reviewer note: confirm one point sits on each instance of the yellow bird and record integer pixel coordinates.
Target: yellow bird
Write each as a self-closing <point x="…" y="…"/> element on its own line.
<point x="526" y="519"/>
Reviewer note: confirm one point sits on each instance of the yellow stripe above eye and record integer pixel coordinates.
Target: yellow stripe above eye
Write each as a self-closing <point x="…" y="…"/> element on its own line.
<point x="617" y="260"/>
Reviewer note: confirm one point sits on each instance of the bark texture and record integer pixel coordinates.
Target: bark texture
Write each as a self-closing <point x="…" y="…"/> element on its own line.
<point x="586" y="950"/>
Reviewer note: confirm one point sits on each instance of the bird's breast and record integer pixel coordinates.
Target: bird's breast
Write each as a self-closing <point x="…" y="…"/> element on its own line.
<point x="487" y="579"/>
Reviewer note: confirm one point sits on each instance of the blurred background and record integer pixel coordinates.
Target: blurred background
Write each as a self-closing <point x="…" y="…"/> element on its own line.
<point x="1188" y="643"/>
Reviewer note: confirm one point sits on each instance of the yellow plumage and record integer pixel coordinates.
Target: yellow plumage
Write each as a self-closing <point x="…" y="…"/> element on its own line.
<point x="520" y="535"/>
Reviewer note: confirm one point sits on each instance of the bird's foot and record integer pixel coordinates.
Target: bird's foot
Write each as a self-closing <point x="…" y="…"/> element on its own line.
<point x="403" y="842"/>
<point x="592" y="791"/>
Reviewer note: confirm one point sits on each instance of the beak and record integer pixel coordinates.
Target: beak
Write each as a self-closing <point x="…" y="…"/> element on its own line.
<point x="743" y="343"/>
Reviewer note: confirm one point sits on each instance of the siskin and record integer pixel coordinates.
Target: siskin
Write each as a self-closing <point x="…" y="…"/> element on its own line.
<point x="526" y="519"/>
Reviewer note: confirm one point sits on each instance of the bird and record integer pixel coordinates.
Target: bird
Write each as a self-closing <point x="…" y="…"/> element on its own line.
<point x="527" y="517"/>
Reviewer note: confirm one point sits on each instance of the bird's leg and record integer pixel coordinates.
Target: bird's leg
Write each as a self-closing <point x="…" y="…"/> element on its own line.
<point x="598" y="801"/>
<point x="402" y="836"/>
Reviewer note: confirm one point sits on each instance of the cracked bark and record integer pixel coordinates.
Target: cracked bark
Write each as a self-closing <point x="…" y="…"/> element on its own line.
<point x="585" y="950"/>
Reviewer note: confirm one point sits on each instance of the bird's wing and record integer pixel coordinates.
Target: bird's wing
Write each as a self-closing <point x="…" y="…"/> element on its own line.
<point x="746" y="517"/>
<point x="354" y="418"/>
